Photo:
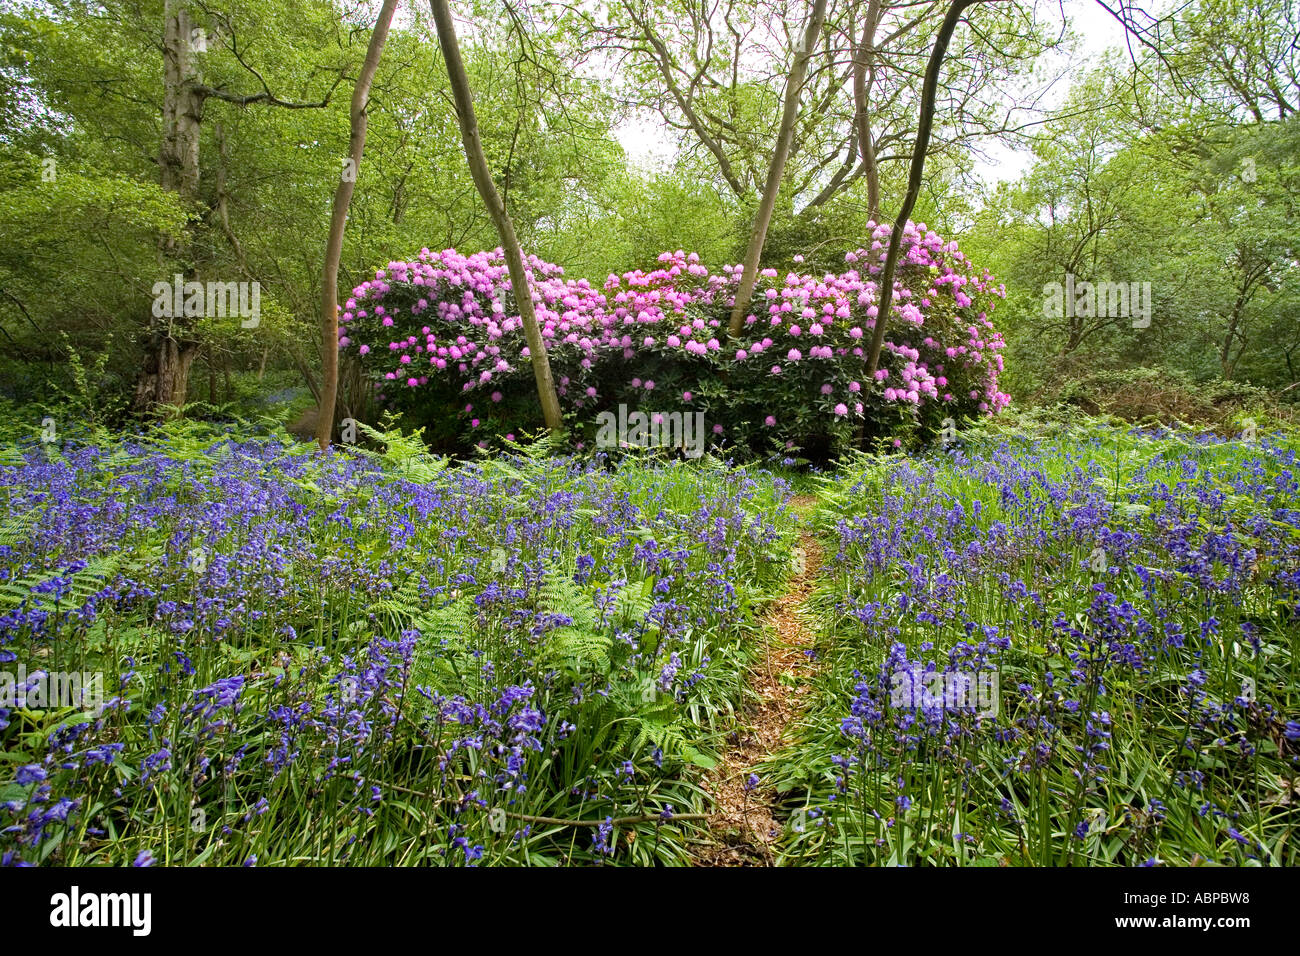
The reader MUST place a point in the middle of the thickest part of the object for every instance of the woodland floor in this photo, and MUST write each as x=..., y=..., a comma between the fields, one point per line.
x=743, y=827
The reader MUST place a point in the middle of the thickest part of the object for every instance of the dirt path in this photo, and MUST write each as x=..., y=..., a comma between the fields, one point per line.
x=742, y=825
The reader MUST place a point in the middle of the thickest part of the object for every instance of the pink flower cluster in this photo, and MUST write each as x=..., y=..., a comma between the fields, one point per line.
x=453, y=317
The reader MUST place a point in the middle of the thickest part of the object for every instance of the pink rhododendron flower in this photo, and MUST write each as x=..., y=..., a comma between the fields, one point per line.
x=453, y=308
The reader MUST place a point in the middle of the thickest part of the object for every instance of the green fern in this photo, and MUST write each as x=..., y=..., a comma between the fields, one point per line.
x=633, y=603
x=447, y=623
x=19, y=528
x=82, y=584
x=441, y=627
x=402, y=607
x=403, y=455
x=579, y=648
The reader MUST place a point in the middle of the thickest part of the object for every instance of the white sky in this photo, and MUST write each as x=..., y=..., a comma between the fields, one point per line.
x=1096, y=32
x=649, y=145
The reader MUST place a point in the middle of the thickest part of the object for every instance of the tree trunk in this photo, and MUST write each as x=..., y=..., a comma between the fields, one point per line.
x=164, y=381
x=184, y=95
x=182, y=108
x=928, y=92
x=168, y=351
x=338, y=222
x=487, y=189
x=221, y=204
x=864, y=78
x=763, y=217
x=1228, y=364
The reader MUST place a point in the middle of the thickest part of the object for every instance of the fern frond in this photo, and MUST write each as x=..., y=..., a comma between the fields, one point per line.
x=81, y=584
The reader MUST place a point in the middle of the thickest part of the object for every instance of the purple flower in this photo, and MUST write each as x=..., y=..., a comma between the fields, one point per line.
x=30, y=774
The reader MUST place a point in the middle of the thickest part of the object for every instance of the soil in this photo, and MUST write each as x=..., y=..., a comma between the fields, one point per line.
x=742, y=826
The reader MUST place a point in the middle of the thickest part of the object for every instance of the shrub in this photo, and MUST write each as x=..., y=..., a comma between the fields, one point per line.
x=1165, y=396
x=445, y=329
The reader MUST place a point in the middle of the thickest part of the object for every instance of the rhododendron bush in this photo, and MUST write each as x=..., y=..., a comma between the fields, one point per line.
x=443, y=331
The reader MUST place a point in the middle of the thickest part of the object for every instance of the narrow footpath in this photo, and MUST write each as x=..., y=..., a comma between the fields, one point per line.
x=743, y=827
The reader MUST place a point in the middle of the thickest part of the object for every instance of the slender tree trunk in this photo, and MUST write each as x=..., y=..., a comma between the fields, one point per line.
x=928, y=92
x=864, y=78
x=785, y=134
x=1228, y=364
x=221, y=203
x=329, y=313
x=308, y=378
x=1075, y=338
x=487, y=189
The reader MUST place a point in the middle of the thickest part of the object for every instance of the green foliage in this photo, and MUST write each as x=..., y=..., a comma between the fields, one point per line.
x=1198, y=204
